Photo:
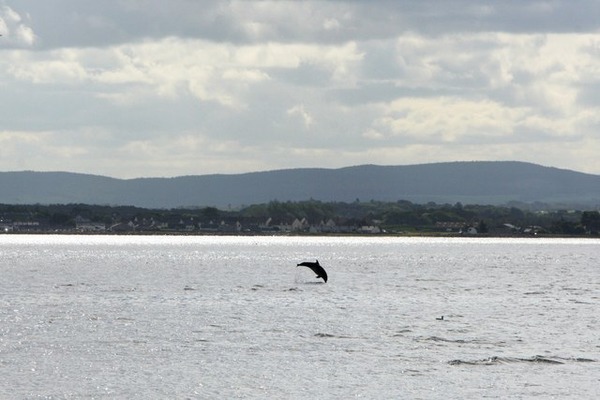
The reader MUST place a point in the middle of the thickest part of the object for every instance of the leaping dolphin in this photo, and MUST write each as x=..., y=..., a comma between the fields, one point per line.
x=316, y=267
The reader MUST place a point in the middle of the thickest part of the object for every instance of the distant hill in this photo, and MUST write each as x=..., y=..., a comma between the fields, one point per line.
x=493, y=183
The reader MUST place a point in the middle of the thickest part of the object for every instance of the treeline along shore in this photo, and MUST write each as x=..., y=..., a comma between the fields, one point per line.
x=303, y=217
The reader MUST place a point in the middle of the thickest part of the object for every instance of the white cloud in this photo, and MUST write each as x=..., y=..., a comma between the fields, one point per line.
x=499, y=83
x=331, y=24
x=14, y=28
x=299, y=110
x=24, y=150
x=171, y=67
x=10, y=15
x=447, y=119
x=60, y=67
x=25, y=35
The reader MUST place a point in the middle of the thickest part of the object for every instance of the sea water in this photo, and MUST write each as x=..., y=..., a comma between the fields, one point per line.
x=148, y=317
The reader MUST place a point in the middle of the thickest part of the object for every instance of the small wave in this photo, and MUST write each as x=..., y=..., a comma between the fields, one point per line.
x=445, y=340
x=324, y=335
x=508, y=360
x=120, y=290
x=402, y=332
x=575, y=301
x=441, y=339
x=329, y=335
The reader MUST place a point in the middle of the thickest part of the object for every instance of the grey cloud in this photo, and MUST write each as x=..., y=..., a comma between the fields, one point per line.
x=306, y=74
x=383, y=92
x=184, y=87
x=381, y=61
x=81, y=23
x=589, y=94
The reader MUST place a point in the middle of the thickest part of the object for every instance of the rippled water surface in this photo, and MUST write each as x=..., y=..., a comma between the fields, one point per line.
x=233, y=317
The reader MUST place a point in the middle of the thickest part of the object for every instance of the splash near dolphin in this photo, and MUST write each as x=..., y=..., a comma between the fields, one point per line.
x=316, y=267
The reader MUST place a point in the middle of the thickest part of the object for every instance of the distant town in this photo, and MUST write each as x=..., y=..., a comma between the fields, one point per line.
x=307, y=217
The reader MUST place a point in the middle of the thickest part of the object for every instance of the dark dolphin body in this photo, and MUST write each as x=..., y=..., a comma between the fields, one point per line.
x=316, y=267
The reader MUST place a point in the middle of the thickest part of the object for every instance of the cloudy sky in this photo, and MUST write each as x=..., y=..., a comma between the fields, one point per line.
x=137, y=88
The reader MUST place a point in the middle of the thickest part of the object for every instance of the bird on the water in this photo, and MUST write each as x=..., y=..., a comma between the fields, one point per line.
x=316, y=267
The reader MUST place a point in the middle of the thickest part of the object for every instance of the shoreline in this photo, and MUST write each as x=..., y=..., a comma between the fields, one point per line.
x=303, y=234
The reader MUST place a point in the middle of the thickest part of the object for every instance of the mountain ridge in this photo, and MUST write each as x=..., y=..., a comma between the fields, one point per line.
x=473, y=182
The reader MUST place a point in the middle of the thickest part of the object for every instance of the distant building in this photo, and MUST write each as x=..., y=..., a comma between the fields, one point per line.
x=6, y=226
x=85, y=225
x=470, y=231
x=369, y=229
x=26, y=226
x=449, y=226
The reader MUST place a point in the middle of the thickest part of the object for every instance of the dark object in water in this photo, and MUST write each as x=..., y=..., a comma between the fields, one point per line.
x=316, y=267
x=440, y=318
